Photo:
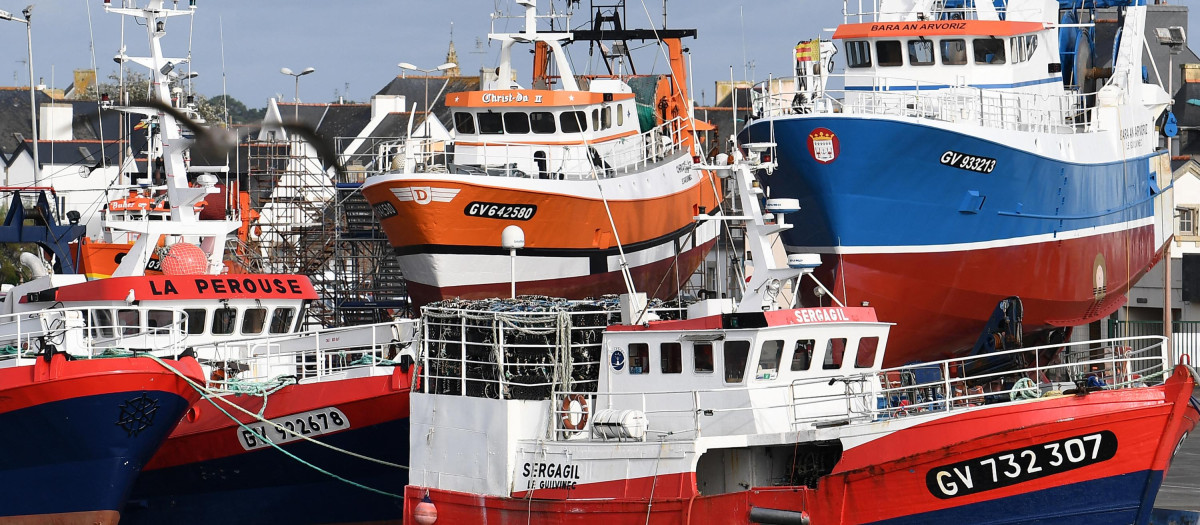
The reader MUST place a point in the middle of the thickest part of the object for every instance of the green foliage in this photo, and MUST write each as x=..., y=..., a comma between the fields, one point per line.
x=212, y=110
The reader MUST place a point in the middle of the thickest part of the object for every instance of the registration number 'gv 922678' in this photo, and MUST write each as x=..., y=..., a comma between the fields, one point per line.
x=311, y=423
x=1015, y=466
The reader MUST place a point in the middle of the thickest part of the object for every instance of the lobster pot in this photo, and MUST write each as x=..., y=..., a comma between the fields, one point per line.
x=513, y=349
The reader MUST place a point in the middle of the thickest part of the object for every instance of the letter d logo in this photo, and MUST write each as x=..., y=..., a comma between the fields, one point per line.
x=422, y=195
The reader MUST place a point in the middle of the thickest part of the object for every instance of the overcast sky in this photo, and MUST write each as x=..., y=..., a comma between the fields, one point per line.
x=355, y=44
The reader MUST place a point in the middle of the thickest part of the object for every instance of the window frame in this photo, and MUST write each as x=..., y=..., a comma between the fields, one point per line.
x=854, y=54
x=879, y=53
x=674, y=357
x=459, y=121
x=640, y=355
x=980, y=55
x=912, y=58
x=732, y=348
x=946, y=56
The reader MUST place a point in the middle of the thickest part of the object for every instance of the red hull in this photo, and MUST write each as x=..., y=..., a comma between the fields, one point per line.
x=940, y=301
x=887, y=478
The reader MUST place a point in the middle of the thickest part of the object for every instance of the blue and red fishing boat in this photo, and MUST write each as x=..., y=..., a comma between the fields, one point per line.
x=82, y=428
x=973, y=152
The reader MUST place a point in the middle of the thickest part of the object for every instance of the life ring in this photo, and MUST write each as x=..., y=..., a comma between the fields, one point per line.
x=566, y=411
x=193, y=414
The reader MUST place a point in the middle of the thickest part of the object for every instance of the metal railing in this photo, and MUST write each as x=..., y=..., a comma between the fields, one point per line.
x=312, y=355
x=509, y=159
x=89, y=332
x=886, y=96
x=1185, y=336
x=858, y=11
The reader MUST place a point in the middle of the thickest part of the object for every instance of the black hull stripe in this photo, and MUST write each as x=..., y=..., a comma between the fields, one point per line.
x=447, y=249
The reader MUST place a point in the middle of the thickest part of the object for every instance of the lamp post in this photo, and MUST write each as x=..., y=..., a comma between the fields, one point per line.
x=296, y=97
x=28, y=12
x=410, y=67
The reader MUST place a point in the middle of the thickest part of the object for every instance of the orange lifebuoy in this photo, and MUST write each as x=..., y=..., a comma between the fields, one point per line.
x=193, y=414
x=566, y=411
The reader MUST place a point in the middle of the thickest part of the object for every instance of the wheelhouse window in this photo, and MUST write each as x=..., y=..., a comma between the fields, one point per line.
x=835, y=350
x=253, y=321
x=620, y=116
x=542, y=122
x=1022, y=47
x=736, y=353
x=888, y=54
x=160, y=321
x=129, y=322
x=281, y=320
x=858, y=53
x=516, y=122
x=954, y=52
x=223, y=321
x=802, y=355
x=102, y=323
x=702, y=358
x=606, y=117
x=670, y=355
x=989, y=51
x=464, y=122
x=596, y=119
x=920, y=52
x=572, y=122
x=867, y=348
x=639, y=358
x=195, y=320
x=491, y=123
x=768, y=360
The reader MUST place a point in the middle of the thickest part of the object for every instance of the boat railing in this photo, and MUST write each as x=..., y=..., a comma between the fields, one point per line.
x=860, y=11
x=312, y=355
x=90, y=333
x=885, y=96
x=511, y=158
x=1047, y=371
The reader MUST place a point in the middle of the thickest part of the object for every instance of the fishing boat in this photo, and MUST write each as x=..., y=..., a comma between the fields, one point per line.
x=973, y=152
x=288, y=412
x=767, y=413
x=84, y=423
x=594, y=185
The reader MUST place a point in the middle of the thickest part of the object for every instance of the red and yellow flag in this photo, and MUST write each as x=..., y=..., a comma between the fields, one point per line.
x=809, y=51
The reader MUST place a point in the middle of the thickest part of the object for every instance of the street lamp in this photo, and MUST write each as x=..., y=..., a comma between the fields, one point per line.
x=443, y=67
x=296, y=98
x=28, y=12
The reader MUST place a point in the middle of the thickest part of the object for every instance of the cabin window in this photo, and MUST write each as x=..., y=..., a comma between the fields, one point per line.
x=989, y=51
x=736, y=353
x=491, y=123
x=671, y=357
x=281, y=320
x=954, y=52
x=195, y=320
x=596, y=119
x=542, y=122
x=464, y=122
x=129, y=322
x=867, y=347
x=102, y=323
x=253, y=321
x=802, y=355
x=639, y=358
x=572, y=122
x=858, y=53
x=920, y=52
x=702, y=358
x=1030, y=45
x=160, y=321
x=223, y=321
x=516, y=122
x=835, y=350
x=620, y=116
x=1022, y=48
x=887, y=52
x=768, y=360
x=606, y=117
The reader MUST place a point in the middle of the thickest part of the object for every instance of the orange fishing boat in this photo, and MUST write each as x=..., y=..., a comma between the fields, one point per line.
x=602, y=197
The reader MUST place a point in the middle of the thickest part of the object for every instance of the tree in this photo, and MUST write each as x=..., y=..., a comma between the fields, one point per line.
x=238, y=112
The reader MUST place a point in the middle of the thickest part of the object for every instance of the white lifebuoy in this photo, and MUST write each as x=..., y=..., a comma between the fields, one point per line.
x=567, y=411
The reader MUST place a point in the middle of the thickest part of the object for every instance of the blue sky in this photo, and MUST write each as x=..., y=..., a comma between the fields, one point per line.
x=355, y=44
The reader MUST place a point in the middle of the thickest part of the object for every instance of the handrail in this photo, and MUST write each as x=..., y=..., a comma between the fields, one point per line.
x=90, y=332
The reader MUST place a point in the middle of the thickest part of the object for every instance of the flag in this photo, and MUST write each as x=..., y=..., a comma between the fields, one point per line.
x=809, y=51
x=140, y=125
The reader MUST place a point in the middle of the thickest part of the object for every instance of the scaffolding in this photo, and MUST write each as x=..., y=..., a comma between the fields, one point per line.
x=314, y=223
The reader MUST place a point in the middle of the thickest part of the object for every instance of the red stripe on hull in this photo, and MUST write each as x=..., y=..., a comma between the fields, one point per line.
x=98, y=517
x=60, y=379
x=656, y=279
x=940, y=301
x=365, y=401
x=882, y=479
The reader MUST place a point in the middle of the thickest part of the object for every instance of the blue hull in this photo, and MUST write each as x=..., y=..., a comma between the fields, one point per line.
x=888, y=187
x=82, y=454
x=266, y=486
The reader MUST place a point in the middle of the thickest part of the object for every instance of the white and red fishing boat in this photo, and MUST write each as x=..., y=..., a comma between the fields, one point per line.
x=761, y=414
x=975, y=151
x=593, y=189
x=285, y=410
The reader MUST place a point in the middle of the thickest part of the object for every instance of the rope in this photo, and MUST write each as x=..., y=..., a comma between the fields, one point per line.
x=210, y=396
